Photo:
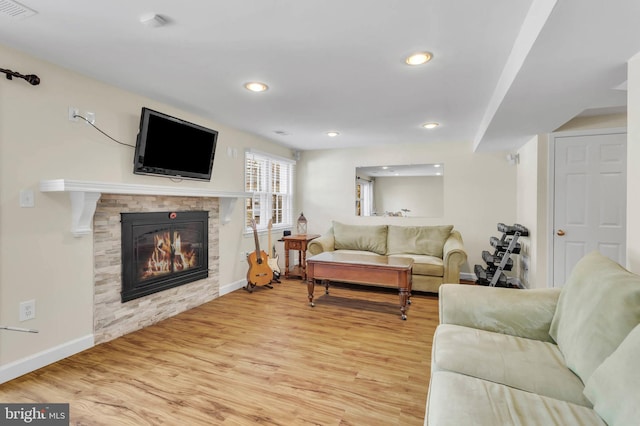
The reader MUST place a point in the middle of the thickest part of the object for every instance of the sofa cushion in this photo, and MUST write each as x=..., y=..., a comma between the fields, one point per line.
x=614, y=387
x=455, y=399
x=520, y=363
x=427, y=240
x=598, y=307
x=424, y=265
x=524, y=313
x=360, y=237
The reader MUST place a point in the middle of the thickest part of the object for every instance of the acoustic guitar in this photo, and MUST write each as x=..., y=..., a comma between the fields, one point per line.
x=259, y=272
x=273, y=258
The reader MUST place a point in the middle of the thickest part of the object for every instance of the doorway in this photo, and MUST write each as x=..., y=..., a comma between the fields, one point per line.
x=588, y=195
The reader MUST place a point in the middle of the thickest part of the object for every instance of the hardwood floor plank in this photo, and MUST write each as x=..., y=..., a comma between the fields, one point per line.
x=265, y=357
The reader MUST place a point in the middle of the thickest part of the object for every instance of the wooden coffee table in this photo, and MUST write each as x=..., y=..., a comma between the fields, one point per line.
x=361, y=269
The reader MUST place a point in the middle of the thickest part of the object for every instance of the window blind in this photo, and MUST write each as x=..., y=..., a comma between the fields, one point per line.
x=270, y=179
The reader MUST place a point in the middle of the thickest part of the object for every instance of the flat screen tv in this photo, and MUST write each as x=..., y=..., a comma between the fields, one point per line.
x=171, y=147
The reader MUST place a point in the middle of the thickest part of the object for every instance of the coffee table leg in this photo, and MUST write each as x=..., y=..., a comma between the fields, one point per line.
x=404, y=296
x=310, y=285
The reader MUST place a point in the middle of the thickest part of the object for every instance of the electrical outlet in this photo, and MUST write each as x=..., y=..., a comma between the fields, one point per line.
x=73, y=111
x=27, y=310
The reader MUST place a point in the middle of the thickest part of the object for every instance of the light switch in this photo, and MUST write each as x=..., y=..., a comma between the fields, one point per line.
x=27, y=198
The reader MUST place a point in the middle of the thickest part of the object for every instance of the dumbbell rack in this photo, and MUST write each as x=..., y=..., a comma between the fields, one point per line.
x=500, y=260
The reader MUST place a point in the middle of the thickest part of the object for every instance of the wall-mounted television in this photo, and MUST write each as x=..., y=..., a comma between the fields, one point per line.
x=171, y=147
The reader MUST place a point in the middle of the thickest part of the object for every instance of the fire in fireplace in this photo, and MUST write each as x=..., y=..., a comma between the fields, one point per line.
x=162, y=250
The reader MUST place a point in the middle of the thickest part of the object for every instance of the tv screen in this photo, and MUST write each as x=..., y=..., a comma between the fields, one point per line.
x=169, y=146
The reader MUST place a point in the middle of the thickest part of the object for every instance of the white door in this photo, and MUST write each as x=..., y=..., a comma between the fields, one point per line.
x=589, y=199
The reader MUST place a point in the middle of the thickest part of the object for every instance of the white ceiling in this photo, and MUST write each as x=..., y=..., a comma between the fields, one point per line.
x=503, y=70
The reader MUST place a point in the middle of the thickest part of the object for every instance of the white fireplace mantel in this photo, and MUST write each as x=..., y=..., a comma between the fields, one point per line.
x=85, y=195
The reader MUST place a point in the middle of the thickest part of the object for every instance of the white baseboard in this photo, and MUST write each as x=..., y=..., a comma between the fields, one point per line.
x=228, y=288
x=33, y=362
x=468, y=276
x=519, y=283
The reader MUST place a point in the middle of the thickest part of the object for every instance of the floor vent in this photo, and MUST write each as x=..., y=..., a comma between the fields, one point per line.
x=15, y=10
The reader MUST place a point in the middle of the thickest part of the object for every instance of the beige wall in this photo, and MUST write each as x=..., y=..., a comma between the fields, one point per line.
x=40, y=259
x=394, y=193
x=543, y=229
x=479, y=189
x=633, y=171
x=527, y=210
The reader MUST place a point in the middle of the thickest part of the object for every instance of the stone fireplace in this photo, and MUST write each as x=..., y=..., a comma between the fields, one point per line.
x=114, y=316
x=96, y=209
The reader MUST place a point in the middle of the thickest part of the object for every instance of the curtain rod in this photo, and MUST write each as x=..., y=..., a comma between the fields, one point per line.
x=32, y=79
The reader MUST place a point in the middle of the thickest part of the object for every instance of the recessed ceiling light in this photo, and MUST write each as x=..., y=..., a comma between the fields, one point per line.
x=332, y=134
x=432, y=125
x=419, y=58
x=256, y=86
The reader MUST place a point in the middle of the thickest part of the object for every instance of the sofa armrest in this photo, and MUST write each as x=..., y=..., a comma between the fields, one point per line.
x=523, y=313
x=453, y=257
x=323, y=243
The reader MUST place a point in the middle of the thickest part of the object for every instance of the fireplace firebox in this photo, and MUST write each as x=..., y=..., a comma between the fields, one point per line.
x=162, y=250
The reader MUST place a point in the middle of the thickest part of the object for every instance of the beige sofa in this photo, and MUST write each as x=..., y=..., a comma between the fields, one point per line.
x=539, y=357
x=437, y=251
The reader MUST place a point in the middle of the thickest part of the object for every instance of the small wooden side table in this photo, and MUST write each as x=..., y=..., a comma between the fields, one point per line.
x=297, y=242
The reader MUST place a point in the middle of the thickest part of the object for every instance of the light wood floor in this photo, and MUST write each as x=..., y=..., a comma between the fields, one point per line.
x=262, y=358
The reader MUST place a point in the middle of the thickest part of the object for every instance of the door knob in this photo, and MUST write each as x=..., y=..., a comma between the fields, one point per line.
x=560, y=232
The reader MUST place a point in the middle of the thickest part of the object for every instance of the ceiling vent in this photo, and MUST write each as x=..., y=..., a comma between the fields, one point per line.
x=15, y=10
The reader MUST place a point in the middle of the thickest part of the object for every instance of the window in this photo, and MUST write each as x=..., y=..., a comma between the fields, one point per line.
x=270, y=178
x=364, y=197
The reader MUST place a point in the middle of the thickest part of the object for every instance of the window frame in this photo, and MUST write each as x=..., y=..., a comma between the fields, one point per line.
x=364, y=197
x=270, y=179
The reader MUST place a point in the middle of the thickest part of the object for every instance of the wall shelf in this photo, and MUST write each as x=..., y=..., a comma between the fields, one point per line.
x=85, y=195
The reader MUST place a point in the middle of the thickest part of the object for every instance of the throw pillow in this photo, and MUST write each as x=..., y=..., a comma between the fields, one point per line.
x=614, y=388
x=598, y=306
x=428, y=240
x=360, y=237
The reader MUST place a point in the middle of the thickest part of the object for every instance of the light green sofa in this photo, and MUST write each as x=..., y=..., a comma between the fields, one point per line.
x=437, y=251
x=539, y=357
